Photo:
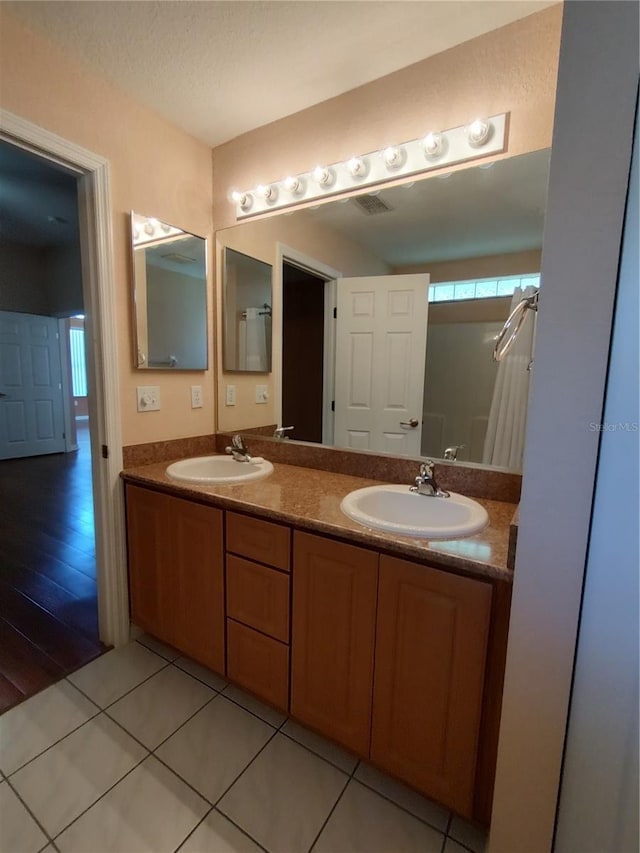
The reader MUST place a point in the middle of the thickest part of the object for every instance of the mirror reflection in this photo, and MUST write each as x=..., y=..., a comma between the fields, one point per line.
x=246, y=307
x=169, y=296
x=470, y=243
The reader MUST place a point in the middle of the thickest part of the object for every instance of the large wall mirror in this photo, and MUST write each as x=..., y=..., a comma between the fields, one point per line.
x=169, y=296
x=437, y=264
x=246, y=313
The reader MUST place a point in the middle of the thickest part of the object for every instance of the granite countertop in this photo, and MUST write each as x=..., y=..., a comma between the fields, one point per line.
x=310, y=499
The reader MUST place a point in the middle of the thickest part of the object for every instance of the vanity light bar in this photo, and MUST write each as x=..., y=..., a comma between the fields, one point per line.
x=147, y=229
x=480, y=138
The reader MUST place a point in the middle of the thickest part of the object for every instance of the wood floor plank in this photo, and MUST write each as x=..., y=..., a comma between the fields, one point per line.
x=9, y=694
x=23, y=664
x=68, y=648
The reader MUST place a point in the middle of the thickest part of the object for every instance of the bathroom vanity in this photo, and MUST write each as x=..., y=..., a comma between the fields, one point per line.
x=392, y=647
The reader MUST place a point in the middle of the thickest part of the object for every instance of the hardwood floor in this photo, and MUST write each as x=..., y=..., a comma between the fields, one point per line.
x=48, y=594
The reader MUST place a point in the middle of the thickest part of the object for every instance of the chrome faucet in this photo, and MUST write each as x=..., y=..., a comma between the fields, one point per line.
x=451, y=453
x=279, y=432
x=238, y=449
x=425, y=483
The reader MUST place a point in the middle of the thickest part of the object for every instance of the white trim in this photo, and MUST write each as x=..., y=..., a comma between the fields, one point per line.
x=102, y=346
x=329, y=362
x=315, y=267
x=67, y=405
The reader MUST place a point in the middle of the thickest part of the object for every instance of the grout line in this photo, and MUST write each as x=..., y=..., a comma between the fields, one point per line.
x=317, y=754
x=189, y=834
x=331, y=811
x=46, y=834
x=197, y=678
x=404, y=808
x=144, y=680
x=175, y=731
x=102, y=795
x=243, y=771
x=243, y=831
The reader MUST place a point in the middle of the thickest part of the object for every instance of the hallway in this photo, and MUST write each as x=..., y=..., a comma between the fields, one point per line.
x=48, y=593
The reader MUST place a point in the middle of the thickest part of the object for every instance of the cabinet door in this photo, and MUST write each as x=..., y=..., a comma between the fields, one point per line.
x=431, y=644
x=147, y=545
x=195, y=579
x=334, y=612
x=258, y=663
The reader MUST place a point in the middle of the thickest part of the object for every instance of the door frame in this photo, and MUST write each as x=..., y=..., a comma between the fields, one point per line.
x=99, y=295
x=286, y=254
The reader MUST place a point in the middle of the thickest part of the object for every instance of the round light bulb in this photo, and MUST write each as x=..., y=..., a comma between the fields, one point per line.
x=357, y=167
x=433, y=145
x=266, y=192
x=478, y=132
x=323, y=176
x=149, y=229
x=393, y=157
x=243, y=200
x=295, y=186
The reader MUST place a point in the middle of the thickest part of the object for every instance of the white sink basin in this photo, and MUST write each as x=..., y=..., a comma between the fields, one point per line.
x=398, y=510
x=223, y=470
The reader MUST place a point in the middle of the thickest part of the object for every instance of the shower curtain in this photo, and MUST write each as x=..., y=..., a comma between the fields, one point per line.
x=252, y=340
x=504, y=442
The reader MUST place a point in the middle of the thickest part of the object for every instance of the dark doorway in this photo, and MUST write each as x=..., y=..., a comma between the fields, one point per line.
x=302, y=352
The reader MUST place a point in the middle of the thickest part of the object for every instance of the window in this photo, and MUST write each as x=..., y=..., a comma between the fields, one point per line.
x=78, y=368
x=450, y=291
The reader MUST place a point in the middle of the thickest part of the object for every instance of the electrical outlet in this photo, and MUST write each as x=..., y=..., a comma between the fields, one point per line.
x=196, y=396
x=231, y=395
x=262, y=393
x=148, y=398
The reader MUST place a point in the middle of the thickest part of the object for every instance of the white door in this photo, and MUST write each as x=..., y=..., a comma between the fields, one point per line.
x=31, y=412
x=381, y=338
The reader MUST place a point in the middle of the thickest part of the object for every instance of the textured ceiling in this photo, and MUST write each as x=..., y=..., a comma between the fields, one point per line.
x=219, y=69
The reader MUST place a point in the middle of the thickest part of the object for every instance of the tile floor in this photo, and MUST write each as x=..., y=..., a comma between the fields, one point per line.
x=143, y=750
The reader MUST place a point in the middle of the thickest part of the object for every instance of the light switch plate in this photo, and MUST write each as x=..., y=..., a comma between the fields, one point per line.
x=148, y=398
x=230, y=398
x=196, y=396
x=262, y=393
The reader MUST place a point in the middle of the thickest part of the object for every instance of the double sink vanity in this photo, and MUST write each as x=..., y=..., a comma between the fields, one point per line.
x=373, y=632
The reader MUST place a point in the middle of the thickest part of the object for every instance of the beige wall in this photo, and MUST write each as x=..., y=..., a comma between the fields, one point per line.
x=156, y=169
x=515, y=263
x=512, y=69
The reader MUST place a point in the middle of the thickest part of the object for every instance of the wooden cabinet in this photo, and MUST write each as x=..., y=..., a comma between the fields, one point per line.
x=431, y=642
x=258, y=607
x=176, y=573
x=334, y=618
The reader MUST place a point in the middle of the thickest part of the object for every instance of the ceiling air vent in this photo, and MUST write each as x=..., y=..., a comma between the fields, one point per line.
x=371, y=205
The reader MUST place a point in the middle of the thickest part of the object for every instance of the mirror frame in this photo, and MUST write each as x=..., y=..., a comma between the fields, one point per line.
x=265, y=308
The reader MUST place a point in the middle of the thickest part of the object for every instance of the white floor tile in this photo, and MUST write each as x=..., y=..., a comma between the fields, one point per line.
x=160, y=705
x=62, y=782
x=365, y=822
x=213, y=748
x=284, y=796
x=216, y=834
x=405, y=797
x=451, y=846
x=19, y=833
x=112, y=675
x=468, y=835
x=215, y=681
x=149, y=810
x=162, y=649
x=34, y=725
x=266, y=712
x=321, y=746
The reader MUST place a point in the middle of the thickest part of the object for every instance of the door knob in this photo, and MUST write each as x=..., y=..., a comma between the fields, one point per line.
x=412, y=422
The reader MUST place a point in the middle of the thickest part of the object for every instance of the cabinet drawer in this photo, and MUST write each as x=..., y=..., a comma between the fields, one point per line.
x=259, y=540
x=258, y=663
x=258, y=597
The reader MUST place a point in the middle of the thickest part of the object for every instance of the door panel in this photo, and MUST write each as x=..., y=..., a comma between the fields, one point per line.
x=31, y=409
x=380, y=356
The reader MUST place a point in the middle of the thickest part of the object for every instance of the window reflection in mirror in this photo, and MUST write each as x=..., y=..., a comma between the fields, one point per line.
x=169, y=295
x=246, y=313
